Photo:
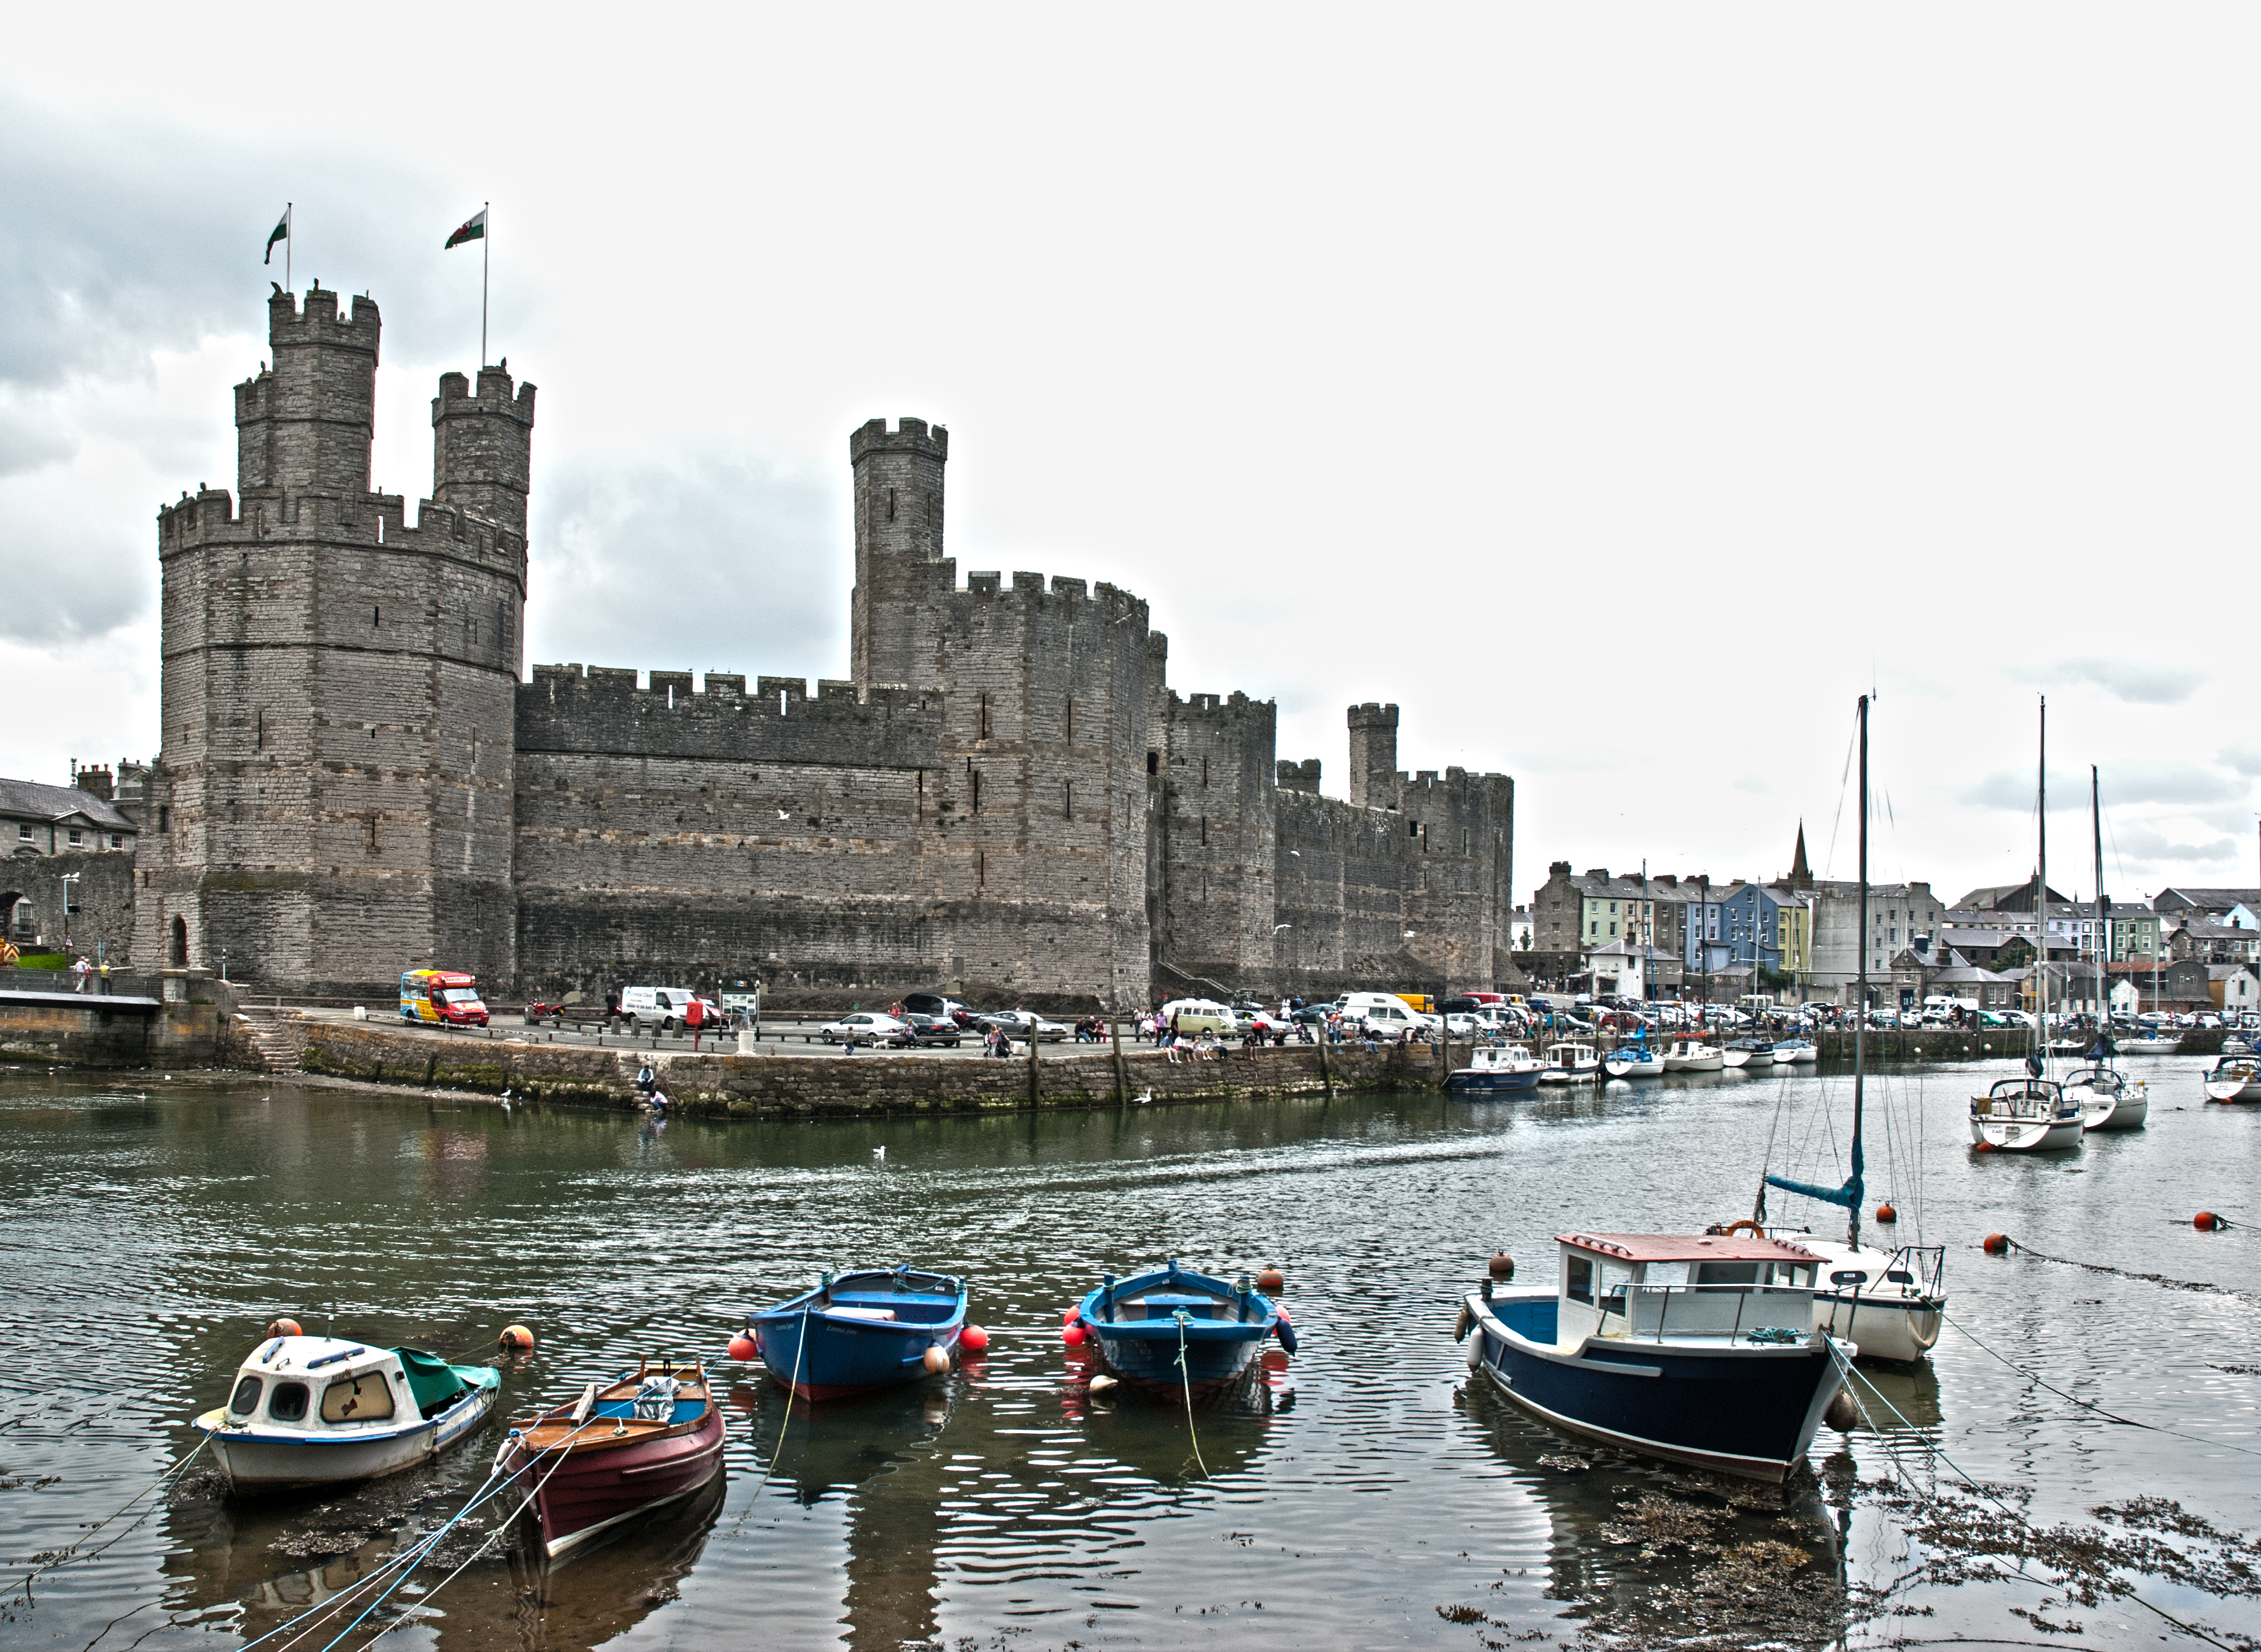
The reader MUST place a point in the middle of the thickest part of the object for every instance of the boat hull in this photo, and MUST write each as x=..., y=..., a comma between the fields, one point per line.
x=1619, y=1067
x=2125, y=1112
x=844, y=1357
x=1750, y=1412
x=2027, y=1135
x=257, y=1460
x=1884, y=1328
x=1712, y=1063
x=1491, y=1083
x=597, y=1487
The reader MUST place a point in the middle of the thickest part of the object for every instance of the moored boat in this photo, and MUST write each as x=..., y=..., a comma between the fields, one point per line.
x=1693, y=1055
x=862, y=1330
x=648, y=1438
x=1698, y=1349
x=1889, y=1303
x=1796, y=1051
x=1634, y=1061
x=2107, y=1098
x=1569, y=1062
x=1176, y=1335
x=2234, y=1078
x=322, y=1411
x=2026, y=1115
x=1496, y=1068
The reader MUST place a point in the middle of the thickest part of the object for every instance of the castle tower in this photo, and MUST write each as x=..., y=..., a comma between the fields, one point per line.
x=304, y=425
x=482, y=446
x=901, y=574
x=332, y=802
x=1373, y=756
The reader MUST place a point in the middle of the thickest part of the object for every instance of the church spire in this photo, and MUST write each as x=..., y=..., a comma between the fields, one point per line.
x=1800, y=876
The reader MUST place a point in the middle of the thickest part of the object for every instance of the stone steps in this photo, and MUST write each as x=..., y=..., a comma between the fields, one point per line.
x=279, y=1035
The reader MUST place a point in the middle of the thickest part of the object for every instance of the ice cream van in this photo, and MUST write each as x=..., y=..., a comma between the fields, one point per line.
x=441, y=997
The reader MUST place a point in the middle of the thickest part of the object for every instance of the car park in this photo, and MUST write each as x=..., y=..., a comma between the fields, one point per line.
x=865, y=1027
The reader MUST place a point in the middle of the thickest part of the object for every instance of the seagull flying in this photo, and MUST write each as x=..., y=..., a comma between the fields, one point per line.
x=1276, y=928
x=879, y=1152
x=781, y=815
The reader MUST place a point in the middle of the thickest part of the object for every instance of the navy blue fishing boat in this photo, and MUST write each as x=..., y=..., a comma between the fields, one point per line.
x=861, y=1331
x=1697, y=1348
x=1176, y=1335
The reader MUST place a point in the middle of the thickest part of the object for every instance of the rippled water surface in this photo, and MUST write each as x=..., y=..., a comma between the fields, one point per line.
x=1361, y=1497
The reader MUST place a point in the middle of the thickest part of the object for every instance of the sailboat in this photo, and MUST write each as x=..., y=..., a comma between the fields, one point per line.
x=2108, y=1098
x=1891, y=1304
x=2031, y=1113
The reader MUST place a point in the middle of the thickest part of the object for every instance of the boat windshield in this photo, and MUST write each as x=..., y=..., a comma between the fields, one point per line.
x=289, y=1404
x=365, y=1399
x=246, y=1398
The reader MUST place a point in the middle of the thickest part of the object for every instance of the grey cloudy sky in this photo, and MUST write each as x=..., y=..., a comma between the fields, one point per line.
x=1620, y=391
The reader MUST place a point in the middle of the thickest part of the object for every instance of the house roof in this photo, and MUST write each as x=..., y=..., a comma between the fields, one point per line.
x=28, y=800
x=2208, y=930
x=2206, y=899
x=1678, y=1248
x=1628, y=948
x=1967, y=974
x=1977, y=937
x=2223, y=972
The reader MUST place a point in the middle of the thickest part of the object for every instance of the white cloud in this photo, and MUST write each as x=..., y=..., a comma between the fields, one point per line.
x=2137, y=682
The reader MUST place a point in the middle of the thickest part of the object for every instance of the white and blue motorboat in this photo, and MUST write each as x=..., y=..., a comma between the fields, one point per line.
x=321, y=1410
x=1569, y=1062
x=1494, y=1069
x=1696, y=1348
x=1796, y=1051
x=1634, y=1061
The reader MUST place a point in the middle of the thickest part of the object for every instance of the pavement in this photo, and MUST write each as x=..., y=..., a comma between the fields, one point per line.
x=779, y=1036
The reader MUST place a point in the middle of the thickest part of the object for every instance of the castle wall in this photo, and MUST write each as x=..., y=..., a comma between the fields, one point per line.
x=1215, y=825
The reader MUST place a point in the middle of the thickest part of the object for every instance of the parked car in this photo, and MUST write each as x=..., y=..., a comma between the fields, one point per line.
x=865, y=1027
x=1019, y=1023
x=936, y=1005
x=933, y=1030
x=662, y=1007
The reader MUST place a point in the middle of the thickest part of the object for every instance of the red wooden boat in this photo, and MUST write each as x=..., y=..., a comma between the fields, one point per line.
x=646, y=1440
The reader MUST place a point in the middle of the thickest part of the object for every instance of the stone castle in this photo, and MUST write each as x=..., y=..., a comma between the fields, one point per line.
x=1004, y=798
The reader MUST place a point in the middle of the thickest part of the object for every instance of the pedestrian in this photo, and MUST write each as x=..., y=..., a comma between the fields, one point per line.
x=82, y=969
x=105, y=972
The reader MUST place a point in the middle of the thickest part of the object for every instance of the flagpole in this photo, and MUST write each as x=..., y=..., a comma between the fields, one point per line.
x=289, y=230
x=487, y=255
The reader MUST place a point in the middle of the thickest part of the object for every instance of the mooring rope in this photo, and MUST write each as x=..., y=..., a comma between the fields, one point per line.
x=1185, y=1378
x=2112, y=1417
x=2014, y=1515
x=769, y=1473
x=2171, y=1283
x=71, y=1552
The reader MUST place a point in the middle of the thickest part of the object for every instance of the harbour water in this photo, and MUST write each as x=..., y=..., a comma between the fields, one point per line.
x=1366, y=1496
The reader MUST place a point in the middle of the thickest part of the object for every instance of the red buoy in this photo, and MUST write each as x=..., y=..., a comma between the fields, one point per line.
x=1502, y=1266
x=516, y=1336
x=2207, y=1221
x=974, y=1340
x=1982, y=1146
x=743, y=1349
x=1271, y=1281
x=1886, y=1214
x=284, y=1328
x=1997, y=1244
x=1074, y=1312
x=1073, y=1335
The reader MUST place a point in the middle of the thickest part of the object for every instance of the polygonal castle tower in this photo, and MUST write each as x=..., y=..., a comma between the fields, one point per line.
x=332, y=802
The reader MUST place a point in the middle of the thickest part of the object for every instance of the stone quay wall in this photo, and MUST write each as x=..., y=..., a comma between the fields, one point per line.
x=769, y=1086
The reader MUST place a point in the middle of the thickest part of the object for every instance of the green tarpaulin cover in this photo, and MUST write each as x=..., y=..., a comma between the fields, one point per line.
x=434, y=1382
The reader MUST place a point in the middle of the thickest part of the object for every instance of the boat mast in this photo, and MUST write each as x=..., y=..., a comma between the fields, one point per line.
x=2041, y=813
x=1861, y=1016
x=2103, y=906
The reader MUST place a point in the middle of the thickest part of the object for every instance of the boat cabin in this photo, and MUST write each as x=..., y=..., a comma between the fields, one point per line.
x=2024, y=1098
x=1570, y=1054
x=1502, y=1058
x=1693, y=1287
x=303, y=1386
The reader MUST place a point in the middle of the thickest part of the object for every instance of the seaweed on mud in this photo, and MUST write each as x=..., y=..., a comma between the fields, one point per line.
x=318, y=1545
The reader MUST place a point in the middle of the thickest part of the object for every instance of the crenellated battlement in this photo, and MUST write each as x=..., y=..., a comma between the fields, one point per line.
x=677, y=690
x=1234, y=706
x=325, y=319
x=493, y=397
x=271, y=516
x=910, y=436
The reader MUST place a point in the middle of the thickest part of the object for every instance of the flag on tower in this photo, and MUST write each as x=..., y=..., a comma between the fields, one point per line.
x=473, y=229
x=281, y=232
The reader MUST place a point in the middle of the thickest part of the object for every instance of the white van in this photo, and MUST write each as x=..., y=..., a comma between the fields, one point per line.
x=660, y=1007
x=1383, y=1013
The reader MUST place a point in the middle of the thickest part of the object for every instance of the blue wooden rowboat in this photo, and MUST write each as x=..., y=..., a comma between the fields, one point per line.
x=1175, y=1335
x=1695, y=1348
x=861, y=1331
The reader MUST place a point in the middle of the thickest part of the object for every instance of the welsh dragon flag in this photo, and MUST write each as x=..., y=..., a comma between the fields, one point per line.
x=472, y=228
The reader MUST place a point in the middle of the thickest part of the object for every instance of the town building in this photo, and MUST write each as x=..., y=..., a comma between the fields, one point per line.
x=1898, y=914
x=1004, y=797
x=2212, y=941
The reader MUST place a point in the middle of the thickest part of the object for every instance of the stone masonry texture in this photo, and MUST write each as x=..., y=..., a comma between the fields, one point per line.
x=1004, y=800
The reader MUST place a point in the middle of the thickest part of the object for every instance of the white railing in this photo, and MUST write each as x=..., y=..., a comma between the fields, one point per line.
x=1659, y=1312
